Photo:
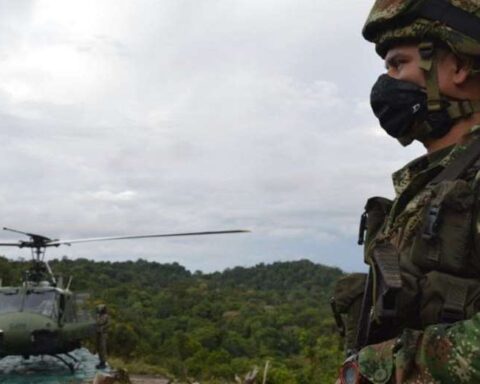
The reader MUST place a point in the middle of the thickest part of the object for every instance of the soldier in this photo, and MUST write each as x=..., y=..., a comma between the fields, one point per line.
x=419, y=320
x=101, y=335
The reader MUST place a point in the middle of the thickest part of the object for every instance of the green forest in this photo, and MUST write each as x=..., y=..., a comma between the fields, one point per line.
x=210, y=327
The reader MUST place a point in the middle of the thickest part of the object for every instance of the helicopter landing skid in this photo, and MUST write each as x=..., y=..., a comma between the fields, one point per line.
x=72, y=365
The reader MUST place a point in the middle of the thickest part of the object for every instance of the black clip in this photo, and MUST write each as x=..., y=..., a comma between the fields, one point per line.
x=432, y=222
x=362, y=228
x=426, y=50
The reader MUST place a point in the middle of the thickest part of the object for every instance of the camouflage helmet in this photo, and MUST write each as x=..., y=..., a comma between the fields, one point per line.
x=453, y=22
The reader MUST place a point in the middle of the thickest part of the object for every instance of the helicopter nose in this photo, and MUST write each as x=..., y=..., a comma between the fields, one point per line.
x=18, y=328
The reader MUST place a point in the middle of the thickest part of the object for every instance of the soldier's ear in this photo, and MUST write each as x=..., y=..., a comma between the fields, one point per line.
x=462, y=70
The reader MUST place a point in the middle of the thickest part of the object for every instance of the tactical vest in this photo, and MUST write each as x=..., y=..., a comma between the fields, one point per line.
x=421, y=247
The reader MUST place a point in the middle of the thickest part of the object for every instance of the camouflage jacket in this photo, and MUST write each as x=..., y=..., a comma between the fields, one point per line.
x=411, y=195
x=102, y=322
x=442, y=263
x=441, y=353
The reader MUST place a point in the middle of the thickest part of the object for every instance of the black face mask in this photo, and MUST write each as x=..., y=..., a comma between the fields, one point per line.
x=400, y=106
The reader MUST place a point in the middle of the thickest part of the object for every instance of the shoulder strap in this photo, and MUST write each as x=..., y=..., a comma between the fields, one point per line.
x=459, y=165
x=453, y=171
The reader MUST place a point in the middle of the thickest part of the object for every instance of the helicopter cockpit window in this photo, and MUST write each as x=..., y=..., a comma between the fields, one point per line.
x=43, y=303
x=10, y=302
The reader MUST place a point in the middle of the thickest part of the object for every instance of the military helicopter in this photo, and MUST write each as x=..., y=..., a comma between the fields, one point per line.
x=42, y=317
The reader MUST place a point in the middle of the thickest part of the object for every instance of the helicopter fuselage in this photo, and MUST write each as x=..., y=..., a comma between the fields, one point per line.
x=38, y=320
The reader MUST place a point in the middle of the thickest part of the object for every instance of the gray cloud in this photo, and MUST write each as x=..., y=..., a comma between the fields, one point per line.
x=122, y=117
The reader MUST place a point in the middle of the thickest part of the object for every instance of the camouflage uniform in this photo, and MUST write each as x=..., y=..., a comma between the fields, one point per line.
x=442, y=353
x=102, y=322
x=440, y=275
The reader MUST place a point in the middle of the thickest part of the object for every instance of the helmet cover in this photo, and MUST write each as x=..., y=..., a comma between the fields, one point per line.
x=456, y=23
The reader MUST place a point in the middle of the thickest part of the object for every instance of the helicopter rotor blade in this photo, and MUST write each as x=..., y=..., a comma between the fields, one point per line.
x=68, y=242
x=32, y=235
x=11, y=245
x=16, y=231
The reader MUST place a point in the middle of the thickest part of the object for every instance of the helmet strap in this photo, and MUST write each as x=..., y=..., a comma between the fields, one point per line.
x=428, y=63
x=463, y=108
x=435, y=103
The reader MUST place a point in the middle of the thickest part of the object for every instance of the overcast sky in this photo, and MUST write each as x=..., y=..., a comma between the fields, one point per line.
x=156, y=116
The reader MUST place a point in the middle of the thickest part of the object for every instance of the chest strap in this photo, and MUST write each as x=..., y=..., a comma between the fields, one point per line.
x=452, y=171
x=458, y=166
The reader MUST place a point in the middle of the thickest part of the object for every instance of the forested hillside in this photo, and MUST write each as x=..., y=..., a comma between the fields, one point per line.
x=212, y=326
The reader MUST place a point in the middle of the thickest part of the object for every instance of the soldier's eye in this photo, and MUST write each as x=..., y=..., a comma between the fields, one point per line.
x=395, y=62
x=391, y=64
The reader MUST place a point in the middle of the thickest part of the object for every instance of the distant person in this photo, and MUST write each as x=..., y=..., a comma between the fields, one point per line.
x=102, y=321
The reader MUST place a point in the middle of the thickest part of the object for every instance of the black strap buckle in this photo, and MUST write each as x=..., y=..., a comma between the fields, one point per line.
x=426, y=50
x=455, y=301
x=432, y=223
x=362, y=228
x=389, y=281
